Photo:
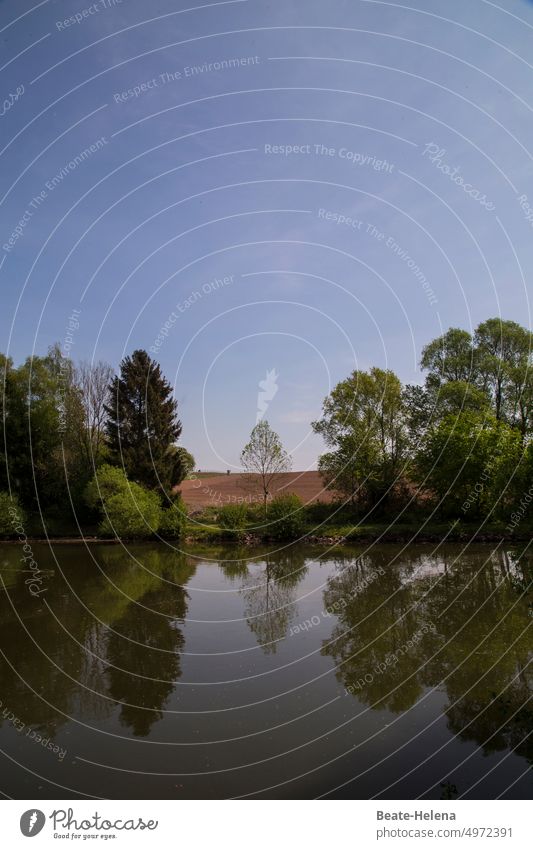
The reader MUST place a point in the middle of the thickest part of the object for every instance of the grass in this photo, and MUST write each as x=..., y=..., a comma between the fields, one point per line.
x=386, y=531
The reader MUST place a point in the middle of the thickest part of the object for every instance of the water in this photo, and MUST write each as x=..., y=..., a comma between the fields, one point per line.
x=394, y=672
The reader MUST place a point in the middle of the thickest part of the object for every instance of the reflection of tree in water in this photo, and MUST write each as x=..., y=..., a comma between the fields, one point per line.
x=375, y=622
x=486, y=652
x=83, y=645
x=497, y=722
x=479, y=647
x=233, y=561
x=147, y=647
x=270, y=597
x=144, y=648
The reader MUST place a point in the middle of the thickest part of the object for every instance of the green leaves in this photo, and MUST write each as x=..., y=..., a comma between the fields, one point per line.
x=365, y=423
x=142, y=424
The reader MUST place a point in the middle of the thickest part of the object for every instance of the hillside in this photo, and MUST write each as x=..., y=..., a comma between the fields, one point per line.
x=229, y=489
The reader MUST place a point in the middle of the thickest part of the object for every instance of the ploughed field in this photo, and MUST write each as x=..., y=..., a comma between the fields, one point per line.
x=207, y=490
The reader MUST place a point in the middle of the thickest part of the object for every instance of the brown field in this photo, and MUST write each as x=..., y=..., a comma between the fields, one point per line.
x=230, y=489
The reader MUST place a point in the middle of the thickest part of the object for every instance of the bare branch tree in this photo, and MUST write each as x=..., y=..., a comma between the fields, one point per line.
x=265, y=457
x=92, y=381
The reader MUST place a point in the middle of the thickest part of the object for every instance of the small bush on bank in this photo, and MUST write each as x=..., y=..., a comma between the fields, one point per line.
x=233, y=518
x=129, y=510
x=285, y=517
x=11, y=515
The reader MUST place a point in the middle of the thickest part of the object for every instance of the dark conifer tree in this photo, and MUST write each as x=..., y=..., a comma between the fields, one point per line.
x=142, y=424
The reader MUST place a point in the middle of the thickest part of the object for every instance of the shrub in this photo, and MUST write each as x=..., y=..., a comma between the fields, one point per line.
x=129, y=510
x=11, y=515
x=285, y=517
x=108, y=481
x=173, y=519
x=233, y=518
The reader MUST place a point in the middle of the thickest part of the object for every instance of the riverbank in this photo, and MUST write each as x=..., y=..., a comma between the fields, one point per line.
x=330, y=535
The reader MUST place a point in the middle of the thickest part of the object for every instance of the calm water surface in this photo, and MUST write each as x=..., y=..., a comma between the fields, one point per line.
x=148, y=673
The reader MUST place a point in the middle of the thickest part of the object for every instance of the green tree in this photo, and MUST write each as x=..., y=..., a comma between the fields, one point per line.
x=142, y=424
x=450, y=357
x=461, y=460
x=364, y=422
x=504, y=354
x=186, y=461
x=425, y=406
x=265, y=458
x=37, y=406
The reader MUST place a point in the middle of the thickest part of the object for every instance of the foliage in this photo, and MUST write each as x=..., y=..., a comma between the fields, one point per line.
x=504, y=353
x=285, y=517
x=129, y=510
x=11, y=515
x=142, y=424
x=265, y=457
x=173, y=519
x=186, y=460
x=450, y=357
x=233, y=519
x=464, y=459
x=365, y=423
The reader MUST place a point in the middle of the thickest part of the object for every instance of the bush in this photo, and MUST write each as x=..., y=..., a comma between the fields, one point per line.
x=129, y=510
x=173, y=519
x=11, y=515
x=233, y=518
x=108, y=481
x=285, y=517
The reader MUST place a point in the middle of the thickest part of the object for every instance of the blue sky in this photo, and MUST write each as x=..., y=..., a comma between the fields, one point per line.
x=283, y=177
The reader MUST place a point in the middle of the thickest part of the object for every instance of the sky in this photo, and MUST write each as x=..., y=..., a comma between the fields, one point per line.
x=264, y=194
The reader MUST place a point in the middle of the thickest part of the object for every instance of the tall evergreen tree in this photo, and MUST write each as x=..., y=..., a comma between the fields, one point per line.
x=142, y=424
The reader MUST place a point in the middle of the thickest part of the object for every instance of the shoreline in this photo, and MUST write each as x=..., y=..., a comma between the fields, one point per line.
x=377, y=534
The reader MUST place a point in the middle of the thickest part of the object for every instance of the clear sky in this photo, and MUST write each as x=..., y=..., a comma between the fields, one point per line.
x=300, y=187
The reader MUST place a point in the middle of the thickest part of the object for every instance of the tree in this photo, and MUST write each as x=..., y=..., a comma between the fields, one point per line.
x=427, y=405
x=265, y=457
x=462, y=458
x=449, y=357
x=186, y=460
x=36, y=407
x=364, y=422
x=92, y=382
x=142, y=424
x=504, y=352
